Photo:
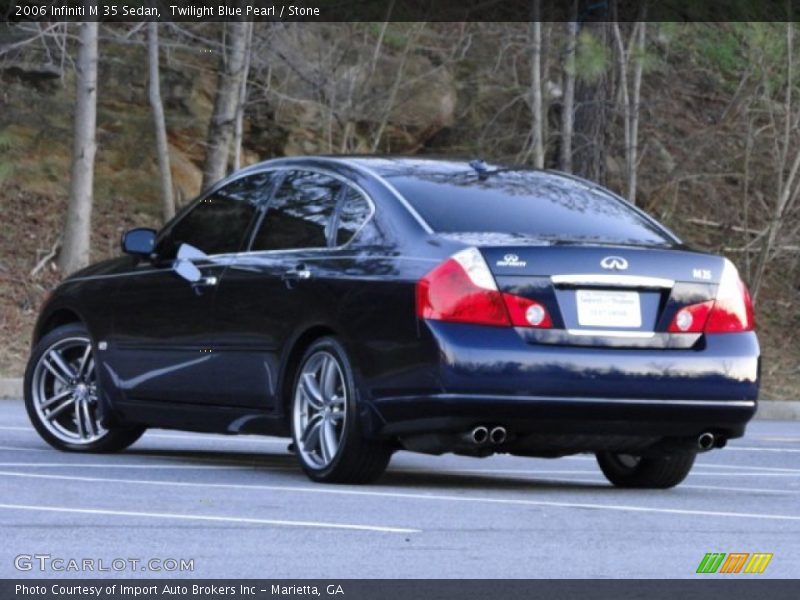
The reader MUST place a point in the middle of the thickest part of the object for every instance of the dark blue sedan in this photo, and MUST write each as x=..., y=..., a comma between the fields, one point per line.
x=365, y=305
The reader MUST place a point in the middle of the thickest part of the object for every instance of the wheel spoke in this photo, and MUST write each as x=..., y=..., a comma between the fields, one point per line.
x=86, y=355
x=329, y=378
x=336, y=416
x=89, y=376
x=52, y=366
x=66, y=370
x=312, y=391
x=79, y=419
x=336, y=401
x=60, y=396
x=57, y=411
x=89, y=422
x=311, y=435
x=328, y=443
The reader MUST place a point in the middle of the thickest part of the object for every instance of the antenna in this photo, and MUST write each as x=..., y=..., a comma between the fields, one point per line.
x=480, y=167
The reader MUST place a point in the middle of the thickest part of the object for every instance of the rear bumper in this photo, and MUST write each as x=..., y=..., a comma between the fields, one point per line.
x=408, y=415
x=477, y=375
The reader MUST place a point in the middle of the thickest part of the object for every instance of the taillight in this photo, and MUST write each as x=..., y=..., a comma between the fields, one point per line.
x=691, y=319
x=525, y=312
x=463, y=290
x=733, y=308
x=730, y=312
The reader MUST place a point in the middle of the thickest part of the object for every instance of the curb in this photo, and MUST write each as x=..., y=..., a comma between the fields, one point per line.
x=11, y=389
x=778, y=410
x=768, y=410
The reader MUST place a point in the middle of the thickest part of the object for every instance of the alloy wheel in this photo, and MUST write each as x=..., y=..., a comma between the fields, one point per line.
x=320, y=409
x=64, y=392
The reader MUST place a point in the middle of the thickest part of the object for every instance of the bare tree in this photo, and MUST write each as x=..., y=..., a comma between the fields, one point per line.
x=788, y=183
x=630, y=92
x=568, y=102
x=638, y=65
x=162, y=146
x=592, y=93
x=537, y=128
x=226, y=100
x=76, y=243
x=239, y=126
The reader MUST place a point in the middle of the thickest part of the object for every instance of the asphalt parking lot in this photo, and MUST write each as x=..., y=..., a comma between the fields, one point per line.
x=240, y=507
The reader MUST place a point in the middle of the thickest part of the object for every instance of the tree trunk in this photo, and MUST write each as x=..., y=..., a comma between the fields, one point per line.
x=622, y=62
x=223, y=117
x=537, y=129
x=238, y=129
x=568, y=105
x=638, y=65
x=77, y=230
x=162, y=146
x=591, y=119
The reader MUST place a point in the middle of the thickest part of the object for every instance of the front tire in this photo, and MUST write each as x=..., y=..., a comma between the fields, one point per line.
x=659, y=472
x=61, y=395
x=325, y=426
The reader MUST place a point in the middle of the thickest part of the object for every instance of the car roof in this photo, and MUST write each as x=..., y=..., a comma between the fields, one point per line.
x=386, y=166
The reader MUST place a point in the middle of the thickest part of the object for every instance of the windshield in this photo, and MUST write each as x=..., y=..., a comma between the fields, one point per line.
x=527, y=203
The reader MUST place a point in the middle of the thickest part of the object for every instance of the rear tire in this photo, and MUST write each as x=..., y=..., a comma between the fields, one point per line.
x=661, y=472
x=325, y=426
x=62, y=391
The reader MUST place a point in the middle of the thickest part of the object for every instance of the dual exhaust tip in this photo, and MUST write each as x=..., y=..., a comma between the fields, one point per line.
x=706, y=441
x=483, y=435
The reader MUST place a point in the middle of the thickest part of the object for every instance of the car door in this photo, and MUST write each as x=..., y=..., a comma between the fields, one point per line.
x=164, y=329
x=270, y=292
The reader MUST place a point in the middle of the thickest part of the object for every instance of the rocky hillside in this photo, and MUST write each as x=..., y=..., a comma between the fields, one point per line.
x=329, y=88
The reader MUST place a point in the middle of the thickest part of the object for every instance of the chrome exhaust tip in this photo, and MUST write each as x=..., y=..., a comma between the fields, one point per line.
x=498, y=435
x=705, y=441
x=479, y=435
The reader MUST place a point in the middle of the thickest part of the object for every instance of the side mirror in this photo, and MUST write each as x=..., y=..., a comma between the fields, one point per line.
x=139, y=241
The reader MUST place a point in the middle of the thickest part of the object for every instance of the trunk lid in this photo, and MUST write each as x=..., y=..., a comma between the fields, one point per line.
x=603, y=295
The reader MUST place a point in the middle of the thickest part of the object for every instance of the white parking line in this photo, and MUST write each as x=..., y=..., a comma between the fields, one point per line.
x=263, y=467
x=282, y=523
x=761, y=449
x=412, y=496
x=23, y=449
x=188, y=436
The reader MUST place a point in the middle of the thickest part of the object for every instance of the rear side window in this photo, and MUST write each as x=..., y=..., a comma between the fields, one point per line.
x=353, y=214
x=217, y=223
x=526, y=203
x=300, y=214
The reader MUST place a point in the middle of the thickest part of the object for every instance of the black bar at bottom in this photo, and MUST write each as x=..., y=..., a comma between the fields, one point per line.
x=718, y=588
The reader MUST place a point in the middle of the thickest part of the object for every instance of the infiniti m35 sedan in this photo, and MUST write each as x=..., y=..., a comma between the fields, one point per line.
x=368, y=304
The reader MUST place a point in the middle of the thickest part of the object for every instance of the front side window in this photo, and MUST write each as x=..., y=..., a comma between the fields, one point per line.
x=217, y=224
x=300, y=214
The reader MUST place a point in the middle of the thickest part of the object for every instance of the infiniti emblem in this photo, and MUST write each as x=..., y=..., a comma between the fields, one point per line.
x=615, y=263
x=511, y=260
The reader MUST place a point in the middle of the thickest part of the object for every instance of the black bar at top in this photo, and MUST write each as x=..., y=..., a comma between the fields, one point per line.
x=398, y=10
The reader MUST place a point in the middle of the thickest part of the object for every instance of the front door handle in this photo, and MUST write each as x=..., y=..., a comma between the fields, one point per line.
x=298, y=272
x=205, y=281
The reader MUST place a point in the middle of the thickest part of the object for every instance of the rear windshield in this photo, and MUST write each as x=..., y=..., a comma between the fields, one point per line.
x=526, y=203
